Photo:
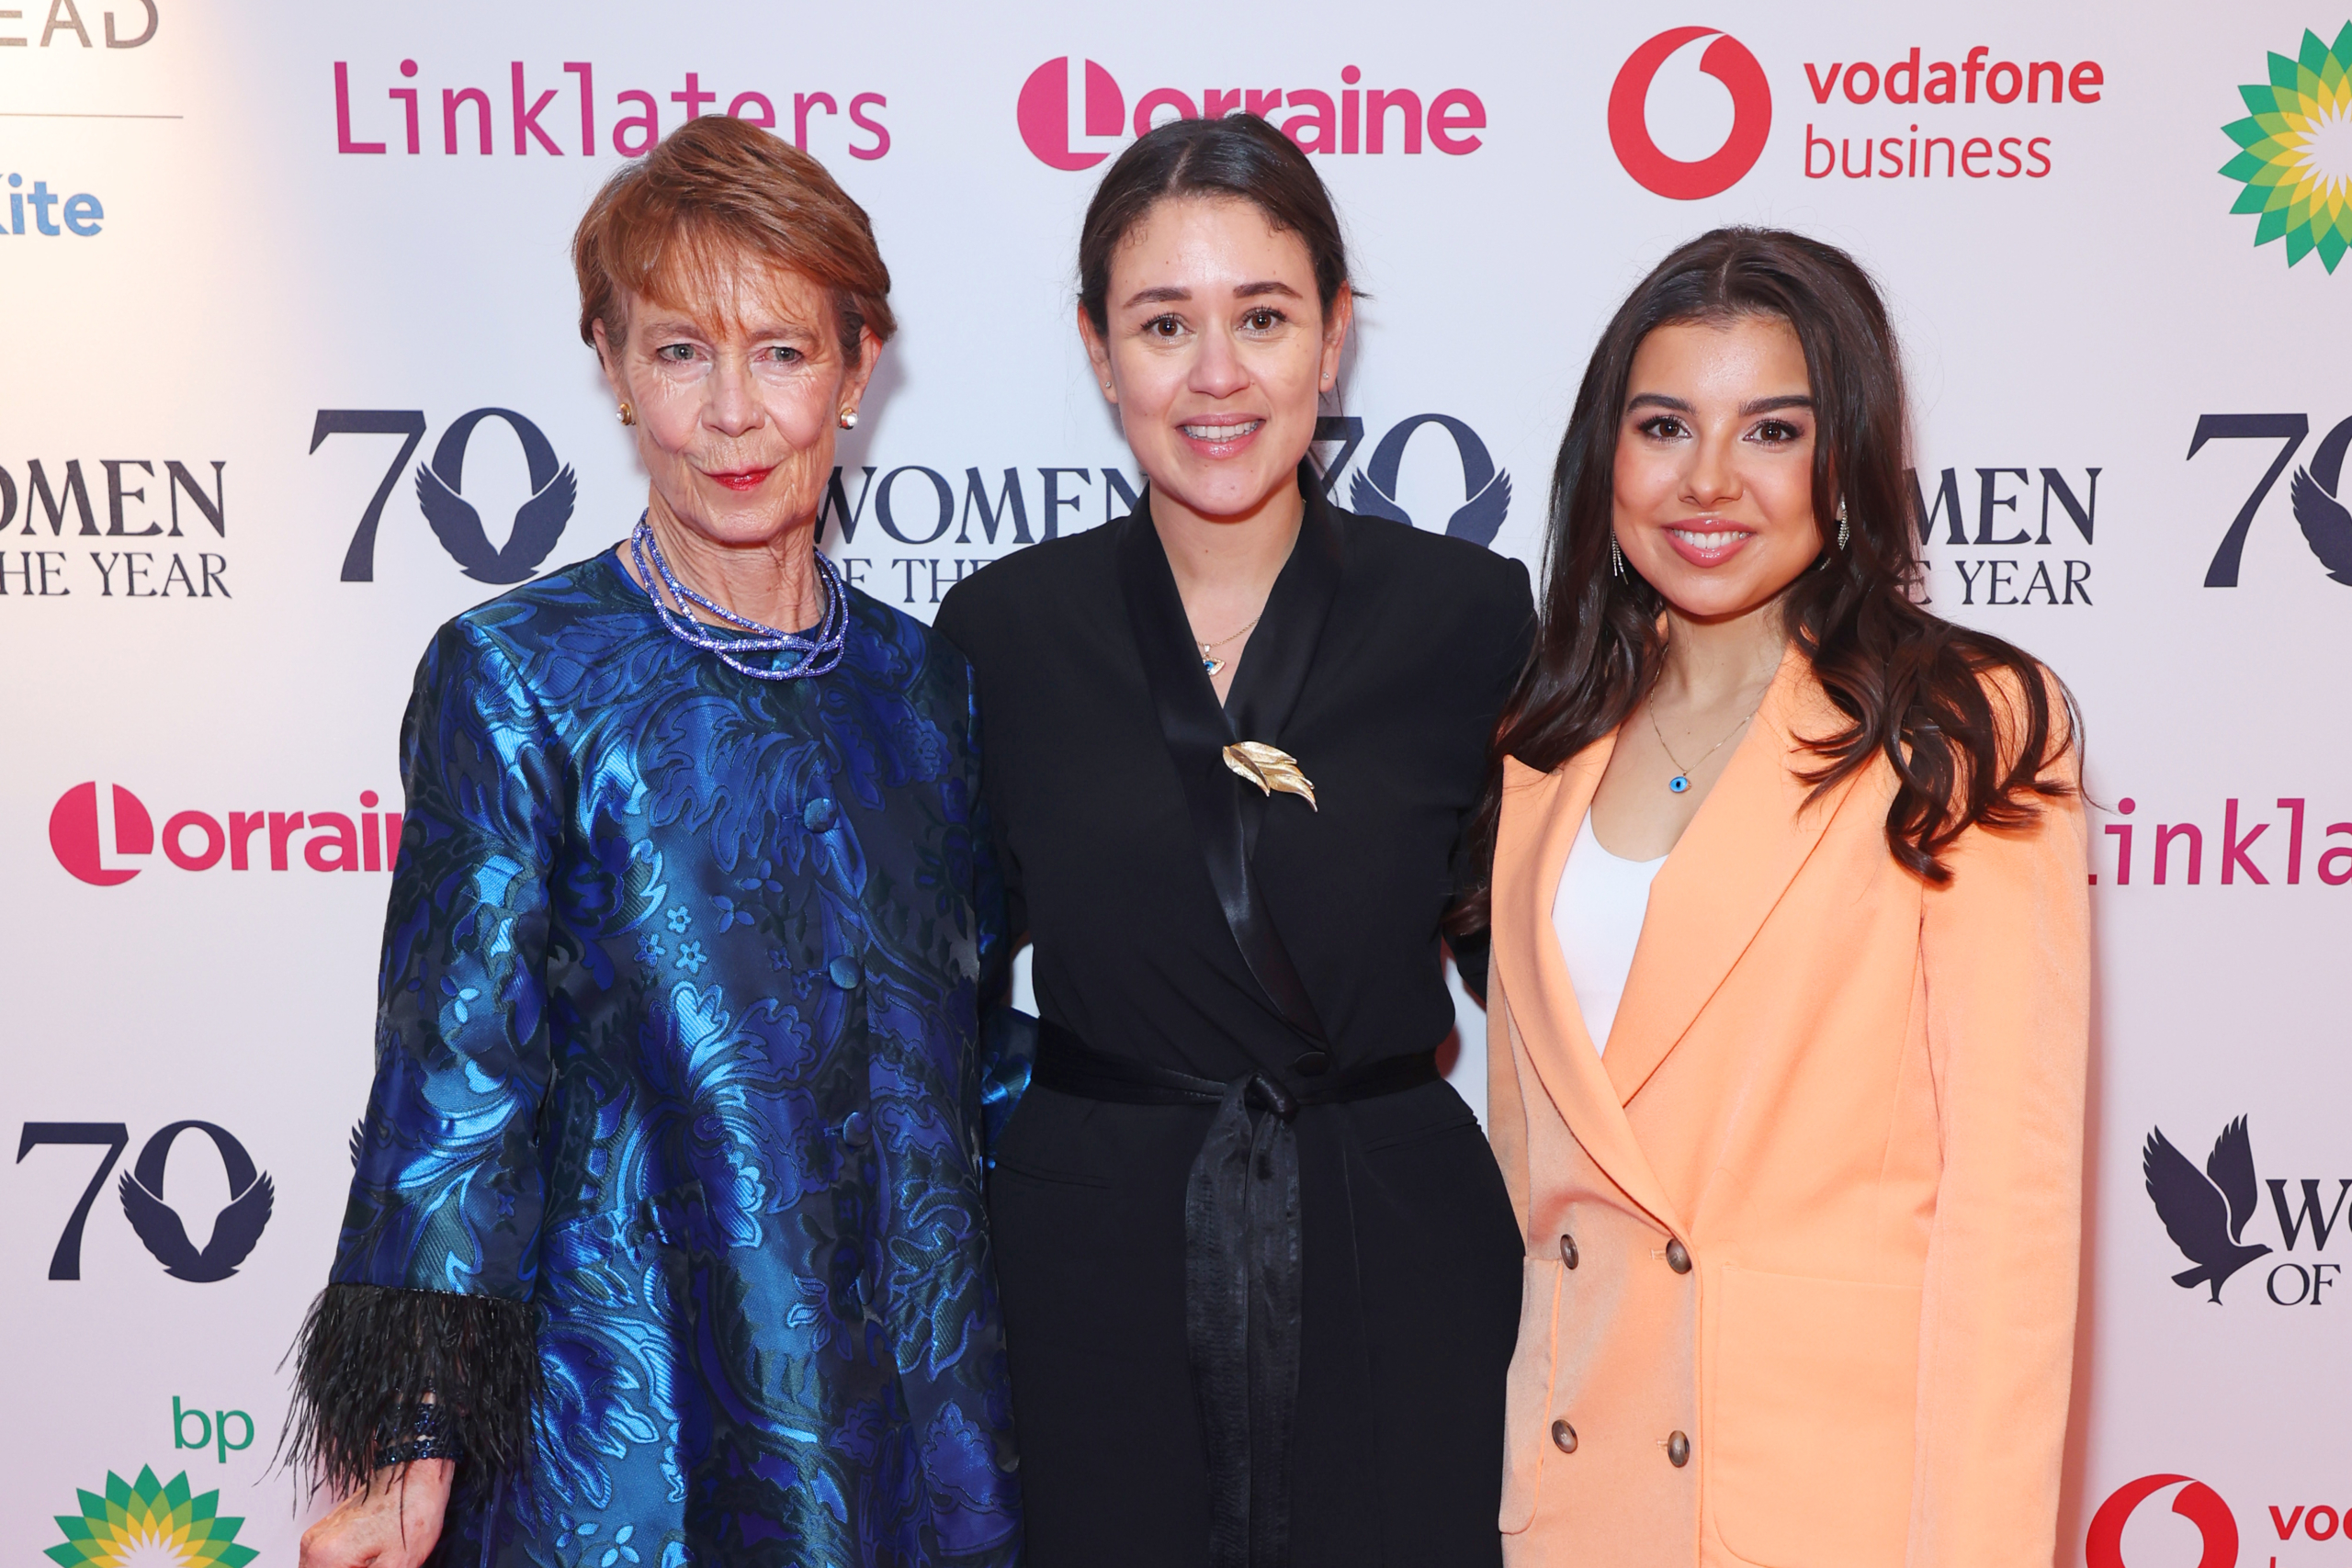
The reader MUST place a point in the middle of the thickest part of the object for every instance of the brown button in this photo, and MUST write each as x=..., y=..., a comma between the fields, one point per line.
x=1678, y=1258
x=1563, y=1438
x=1678, y=1450
x=1568, y=1251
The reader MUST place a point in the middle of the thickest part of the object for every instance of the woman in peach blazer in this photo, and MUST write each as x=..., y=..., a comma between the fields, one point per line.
x=1803, y=1217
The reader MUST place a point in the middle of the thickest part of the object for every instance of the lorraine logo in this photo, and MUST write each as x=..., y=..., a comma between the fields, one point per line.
x=197, y=840
x=1043, y=113
x=2296, y=150
x=1350, y=116
x=2196, y=1503
x=1728, y=61
x=150, y=1521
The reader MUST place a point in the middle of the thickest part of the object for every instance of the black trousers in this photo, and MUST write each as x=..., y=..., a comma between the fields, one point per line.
x=1411, y=1288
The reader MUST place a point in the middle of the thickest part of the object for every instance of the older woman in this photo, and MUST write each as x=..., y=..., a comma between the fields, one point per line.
x=665, y=1242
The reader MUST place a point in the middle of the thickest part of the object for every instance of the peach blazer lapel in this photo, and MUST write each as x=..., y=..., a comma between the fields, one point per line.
x=1748, y=840
x=1541, y=815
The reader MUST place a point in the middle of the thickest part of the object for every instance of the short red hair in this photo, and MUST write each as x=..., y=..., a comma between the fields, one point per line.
x=718, y=192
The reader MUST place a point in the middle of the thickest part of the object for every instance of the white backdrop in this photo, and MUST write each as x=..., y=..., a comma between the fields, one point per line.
x=238, y=293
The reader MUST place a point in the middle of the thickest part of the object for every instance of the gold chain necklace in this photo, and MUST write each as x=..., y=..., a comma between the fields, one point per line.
x=1681, y=782
x=1209, y=662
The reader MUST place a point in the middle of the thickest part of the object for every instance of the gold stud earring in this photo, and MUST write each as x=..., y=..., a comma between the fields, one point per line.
x=849, y=418
x=628, y=414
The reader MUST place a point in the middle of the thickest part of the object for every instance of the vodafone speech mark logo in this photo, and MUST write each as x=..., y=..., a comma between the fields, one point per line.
x=1728, y=61
x=1354, y=119
x=198, y=840
x=2196, y=1503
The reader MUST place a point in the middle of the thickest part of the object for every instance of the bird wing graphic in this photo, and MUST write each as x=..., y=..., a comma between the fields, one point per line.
x=1365, y=497
x=456, y=524
x=2231, y=1165
x=2195, y=1213
x=236, y=1232
x=539, y=524
x=2327, y=525
x=1481, y=517
x=157, y=1225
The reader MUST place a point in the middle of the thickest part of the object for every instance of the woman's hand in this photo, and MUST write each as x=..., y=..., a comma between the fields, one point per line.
x=392, y=1524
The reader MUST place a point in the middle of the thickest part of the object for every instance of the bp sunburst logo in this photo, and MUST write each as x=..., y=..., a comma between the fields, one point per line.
x=2296, y=161
x=149, y=1524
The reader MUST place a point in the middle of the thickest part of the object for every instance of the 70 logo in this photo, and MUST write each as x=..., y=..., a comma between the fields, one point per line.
x=252, y=1196
x=2325, y=521
x=538, y=522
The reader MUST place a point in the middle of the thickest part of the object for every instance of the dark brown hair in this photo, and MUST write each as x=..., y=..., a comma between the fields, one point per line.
x=1239, y=156
x=1971, y=726
x=720, y=190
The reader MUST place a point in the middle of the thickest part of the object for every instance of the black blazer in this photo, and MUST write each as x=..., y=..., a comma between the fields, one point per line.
x=1104, y=866
x=1380, y=664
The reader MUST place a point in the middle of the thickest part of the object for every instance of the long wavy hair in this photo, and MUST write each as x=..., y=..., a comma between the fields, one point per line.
x=1970, y=725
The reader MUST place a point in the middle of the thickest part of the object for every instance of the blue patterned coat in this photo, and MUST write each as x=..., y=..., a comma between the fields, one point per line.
x=677, y=1043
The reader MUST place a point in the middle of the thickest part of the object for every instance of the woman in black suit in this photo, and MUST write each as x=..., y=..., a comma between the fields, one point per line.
x=1260, y=1274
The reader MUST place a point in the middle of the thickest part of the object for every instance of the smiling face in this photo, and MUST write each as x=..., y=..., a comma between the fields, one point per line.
x=1216, y=352
x=1713, y=477
x=737, y=400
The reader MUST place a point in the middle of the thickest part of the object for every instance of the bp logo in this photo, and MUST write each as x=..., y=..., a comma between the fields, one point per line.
x=150, y=1521
x=2296, y=150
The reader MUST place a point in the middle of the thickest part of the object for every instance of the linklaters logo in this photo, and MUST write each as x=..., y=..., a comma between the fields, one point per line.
x=2296, y=158
x=150, y=1521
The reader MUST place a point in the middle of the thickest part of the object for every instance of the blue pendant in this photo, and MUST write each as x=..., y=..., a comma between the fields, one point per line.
x=1211, y=665
x=1677, y=783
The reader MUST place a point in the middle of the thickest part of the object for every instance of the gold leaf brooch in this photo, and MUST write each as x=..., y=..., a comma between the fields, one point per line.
x=1269, y=769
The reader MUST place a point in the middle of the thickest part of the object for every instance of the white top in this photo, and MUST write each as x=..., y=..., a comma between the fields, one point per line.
x=1598, y=916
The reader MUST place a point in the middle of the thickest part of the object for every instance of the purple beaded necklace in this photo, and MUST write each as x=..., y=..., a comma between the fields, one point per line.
x=819, y=652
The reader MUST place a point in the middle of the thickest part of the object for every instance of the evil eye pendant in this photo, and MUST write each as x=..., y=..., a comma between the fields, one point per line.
x=1677, y=783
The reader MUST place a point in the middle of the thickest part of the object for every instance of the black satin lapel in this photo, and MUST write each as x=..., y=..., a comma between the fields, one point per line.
x=1197, y=729
x=1278, y=654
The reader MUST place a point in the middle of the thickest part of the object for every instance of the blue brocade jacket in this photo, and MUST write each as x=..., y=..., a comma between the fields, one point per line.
x=677, y=1045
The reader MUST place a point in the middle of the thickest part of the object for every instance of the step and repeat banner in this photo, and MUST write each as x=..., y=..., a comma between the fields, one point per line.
x=278, y=270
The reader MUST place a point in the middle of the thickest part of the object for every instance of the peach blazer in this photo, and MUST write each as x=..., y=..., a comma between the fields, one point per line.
x=1801, y=1248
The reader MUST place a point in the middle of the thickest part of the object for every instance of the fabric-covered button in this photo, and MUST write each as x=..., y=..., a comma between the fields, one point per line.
x=1568, y=1251
x=853, y=1129
x=1678, y=1450
x=1311, y=1064
x=817, y=815
x=1564, y=1437
x=843, y=972
x=1677, y=1256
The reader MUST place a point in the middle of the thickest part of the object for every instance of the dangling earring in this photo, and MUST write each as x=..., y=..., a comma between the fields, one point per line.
x=628, y=414
x=849, y=418
x=1845, y=529
x=1616, y=558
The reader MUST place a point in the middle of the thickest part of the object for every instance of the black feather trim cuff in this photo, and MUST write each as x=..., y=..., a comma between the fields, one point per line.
x=369, y=1355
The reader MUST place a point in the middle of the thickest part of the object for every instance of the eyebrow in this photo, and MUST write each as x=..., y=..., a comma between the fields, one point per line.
x=668, y=326
x=1167, y=293
x=1753, y=406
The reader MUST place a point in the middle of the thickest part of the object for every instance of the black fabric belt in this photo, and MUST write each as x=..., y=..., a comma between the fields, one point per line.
x=1242, y=1275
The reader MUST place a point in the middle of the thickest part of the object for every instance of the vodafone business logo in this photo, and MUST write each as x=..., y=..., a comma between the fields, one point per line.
x=2196, y=1503
x=1727, y=60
